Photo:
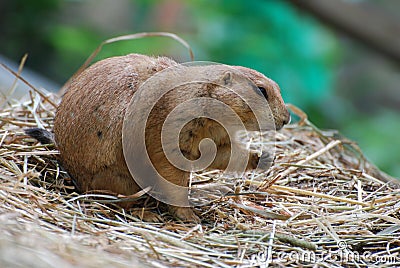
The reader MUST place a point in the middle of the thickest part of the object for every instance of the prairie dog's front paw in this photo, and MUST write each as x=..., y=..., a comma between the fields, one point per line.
x=184, y=213
x=146, y=216
x=262, y=163
x=253, y=161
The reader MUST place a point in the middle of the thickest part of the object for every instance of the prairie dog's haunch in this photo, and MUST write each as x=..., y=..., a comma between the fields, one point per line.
x=88, y=123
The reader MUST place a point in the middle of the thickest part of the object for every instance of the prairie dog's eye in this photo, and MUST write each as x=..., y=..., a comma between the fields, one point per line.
x=264, y=92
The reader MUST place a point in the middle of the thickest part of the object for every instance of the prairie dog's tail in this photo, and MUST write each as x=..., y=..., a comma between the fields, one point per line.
x=42, y=135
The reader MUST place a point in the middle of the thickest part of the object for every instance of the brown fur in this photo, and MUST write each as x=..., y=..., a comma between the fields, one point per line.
x=88, y=124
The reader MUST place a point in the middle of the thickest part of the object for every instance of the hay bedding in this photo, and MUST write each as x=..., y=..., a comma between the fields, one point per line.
x=319, y=198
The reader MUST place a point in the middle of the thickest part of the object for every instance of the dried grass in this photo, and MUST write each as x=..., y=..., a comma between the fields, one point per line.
x=320, y=195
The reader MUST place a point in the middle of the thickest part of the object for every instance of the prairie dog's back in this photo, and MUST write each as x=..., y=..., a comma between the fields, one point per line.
x=88, y=122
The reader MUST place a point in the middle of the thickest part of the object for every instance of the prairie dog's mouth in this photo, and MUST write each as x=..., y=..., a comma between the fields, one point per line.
x=280, y=123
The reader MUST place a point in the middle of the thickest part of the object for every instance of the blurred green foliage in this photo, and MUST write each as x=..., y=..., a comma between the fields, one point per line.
x=24, y=28
x=270, y=36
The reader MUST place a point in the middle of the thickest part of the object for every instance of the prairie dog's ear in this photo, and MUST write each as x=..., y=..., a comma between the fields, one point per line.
x=227, y=78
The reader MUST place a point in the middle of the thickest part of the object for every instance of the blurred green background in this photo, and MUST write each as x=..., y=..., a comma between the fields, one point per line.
x=337, y=81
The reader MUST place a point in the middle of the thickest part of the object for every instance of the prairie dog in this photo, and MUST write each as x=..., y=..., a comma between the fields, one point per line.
x=89, y=121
